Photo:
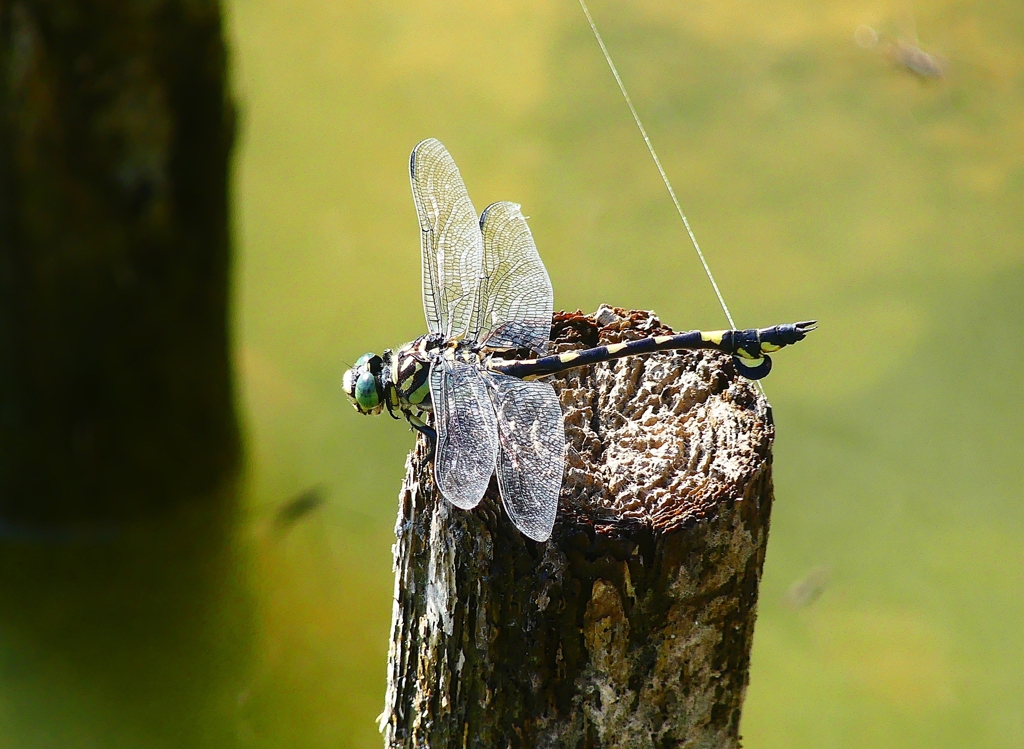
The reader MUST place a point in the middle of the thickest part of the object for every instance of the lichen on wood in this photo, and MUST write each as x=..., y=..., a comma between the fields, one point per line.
x=632, y=626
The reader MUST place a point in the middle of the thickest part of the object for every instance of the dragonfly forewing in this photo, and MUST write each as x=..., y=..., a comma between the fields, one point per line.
x=451, y=244
x=531, y=451
x=467, y=432
x=515, y=299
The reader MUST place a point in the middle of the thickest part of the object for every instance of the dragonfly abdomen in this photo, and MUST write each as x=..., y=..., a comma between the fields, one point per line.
x=749, y=347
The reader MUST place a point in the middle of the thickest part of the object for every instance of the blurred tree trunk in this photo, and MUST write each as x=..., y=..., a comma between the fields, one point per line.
x=115, y=377
x=123, y=620
x=631, y=627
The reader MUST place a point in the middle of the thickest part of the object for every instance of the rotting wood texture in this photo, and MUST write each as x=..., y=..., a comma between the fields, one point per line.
x=632, y=626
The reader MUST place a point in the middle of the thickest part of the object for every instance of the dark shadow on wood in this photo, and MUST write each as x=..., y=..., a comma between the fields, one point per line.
x=115, y=381
x=122, y=621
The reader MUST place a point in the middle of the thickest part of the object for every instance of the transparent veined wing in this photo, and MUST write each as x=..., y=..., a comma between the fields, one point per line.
x=515, y=299
x=531, y=451
x=451, y=245
x=467, y=432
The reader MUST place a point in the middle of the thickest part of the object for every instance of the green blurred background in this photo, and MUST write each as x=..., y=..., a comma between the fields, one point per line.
x=823, y=181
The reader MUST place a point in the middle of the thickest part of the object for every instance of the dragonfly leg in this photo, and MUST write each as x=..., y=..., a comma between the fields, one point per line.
x=431, y=434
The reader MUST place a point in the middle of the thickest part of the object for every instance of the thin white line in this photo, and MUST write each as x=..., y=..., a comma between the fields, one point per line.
x=657, y=162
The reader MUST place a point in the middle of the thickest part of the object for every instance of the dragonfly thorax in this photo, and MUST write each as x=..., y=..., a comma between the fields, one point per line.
x=408, y=375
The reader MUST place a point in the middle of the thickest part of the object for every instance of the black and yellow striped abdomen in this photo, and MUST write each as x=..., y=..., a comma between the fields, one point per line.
x=750, y=348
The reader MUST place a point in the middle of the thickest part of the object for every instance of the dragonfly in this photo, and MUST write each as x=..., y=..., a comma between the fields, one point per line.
x=488, y=300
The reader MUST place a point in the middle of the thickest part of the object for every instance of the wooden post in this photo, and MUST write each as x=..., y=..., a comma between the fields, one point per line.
x=632, y=626
x=116, y=400
x=125, y=620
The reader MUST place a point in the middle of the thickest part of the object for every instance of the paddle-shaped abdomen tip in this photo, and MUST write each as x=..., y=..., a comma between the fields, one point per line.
x=753, y=369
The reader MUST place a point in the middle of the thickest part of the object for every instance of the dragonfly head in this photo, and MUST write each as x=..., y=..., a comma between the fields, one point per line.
x=364, y=386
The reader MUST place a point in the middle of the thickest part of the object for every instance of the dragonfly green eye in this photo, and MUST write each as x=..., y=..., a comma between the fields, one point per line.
x=367, y=396
x=362, y=384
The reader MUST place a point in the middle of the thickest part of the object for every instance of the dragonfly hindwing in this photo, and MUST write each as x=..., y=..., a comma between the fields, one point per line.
x=515, y=299
x=531, y=451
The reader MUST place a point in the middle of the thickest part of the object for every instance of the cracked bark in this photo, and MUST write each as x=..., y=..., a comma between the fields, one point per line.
x=632, y=626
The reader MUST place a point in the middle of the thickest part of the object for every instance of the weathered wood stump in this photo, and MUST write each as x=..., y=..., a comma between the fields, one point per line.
x=632, y=626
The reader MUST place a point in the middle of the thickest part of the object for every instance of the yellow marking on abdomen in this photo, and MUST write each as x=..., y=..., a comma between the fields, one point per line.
x=616, y=348
x=660, y=339
x=571, y=356
x=769, y=347
x=713, y=336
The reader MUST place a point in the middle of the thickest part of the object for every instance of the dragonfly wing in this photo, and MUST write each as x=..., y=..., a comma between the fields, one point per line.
x=515, y=299
x=452, y=248
x=467, y=432
x=531, y=452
